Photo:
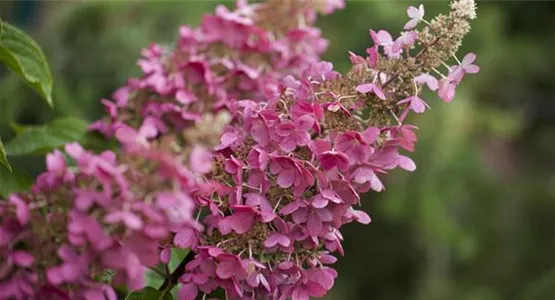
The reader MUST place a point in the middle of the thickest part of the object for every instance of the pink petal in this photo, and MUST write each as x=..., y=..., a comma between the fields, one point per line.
x=472, y=69
x=314, y=224
x=446, y=91
x=188, y=291
x=427, y=79
x=260, y=133
x=286, y=178
x=364, y=88
x=275, y=239
x=126, y=135
x=468, y=59
x=226, y=268
x=406, y=163
x=228, y=139
x=371, y=134
x=288, y=144
x=304, y=123
x=200, y=160
x=285, y=128
x=412, y=12
x=378, y=91
x=384, y=37
x=185, y=238
x=289, y=208
x=241, y=222
x=361, y=216
x=23, y=258
x=411, y=24
x=165, y=255
x=319, y=202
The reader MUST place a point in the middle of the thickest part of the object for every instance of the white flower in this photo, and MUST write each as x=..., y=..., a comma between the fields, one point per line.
x=466, y=8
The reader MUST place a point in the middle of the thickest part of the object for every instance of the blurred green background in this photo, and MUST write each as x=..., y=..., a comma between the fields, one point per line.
x=475, y=221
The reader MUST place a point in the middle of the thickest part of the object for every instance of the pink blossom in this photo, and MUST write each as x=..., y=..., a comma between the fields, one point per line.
x=416, y=15
x=466, y=67
x=200, y=160
x=446, y=90
x=371, y=87
x=416, y=104
x=328, y=157
x=290, y=172
x=406, y=39
x=294, y=133
x=427, y=79
x=355, y=146
x=22, y=210
x=230, y=266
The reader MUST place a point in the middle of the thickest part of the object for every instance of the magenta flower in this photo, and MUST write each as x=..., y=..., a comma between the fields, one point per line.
x=22, y=211
x=231, y=266
x=313, y=283
x=326, y=196
x=290, y=172
x=328, y=157
x=186, y=238
x=356, y=145
x=150, y=129
x=243, y=219
x=365, y=174
x=277, y=241
x=131, y=220
x=188, y=291
x=258, y=158
x=74, y=267
x=295, y=133
x=256, y=278
x=200, y=160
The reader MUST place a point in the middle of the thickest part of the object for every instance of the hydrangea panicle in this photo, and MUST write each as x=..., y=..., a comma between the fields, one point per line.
x=241, y=145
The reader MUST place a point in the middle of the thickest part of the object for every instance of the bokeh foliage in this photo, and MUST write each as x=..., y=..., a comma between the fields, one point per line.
x=476, y=221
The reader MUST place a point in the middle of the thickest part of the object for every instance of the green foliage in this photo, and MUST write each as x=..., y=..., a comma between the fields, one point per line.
x=148, y=293
x=3, y=159
x=154, y=279
x=177, y=256
x=45, y=138
x=12, y=182
x=21, y=54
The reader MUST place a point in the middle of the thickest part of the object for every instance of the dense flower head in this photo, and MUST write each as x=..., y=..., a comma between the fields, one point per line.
x=103, y=213
x=239, y=144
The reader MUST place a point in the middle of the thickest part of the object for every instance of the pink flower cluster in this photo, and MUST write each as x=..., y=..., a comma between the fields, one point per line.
x=79, y=221
x=259, y=200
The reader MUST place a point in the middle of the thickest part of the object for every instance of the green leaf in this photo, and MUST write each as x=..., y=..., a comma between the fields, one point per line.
x=22, y=54
x=153, y=279
x=178, y=255
x=3, y=159
x=12, y=182
x=148, y=293
x=45, y=138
